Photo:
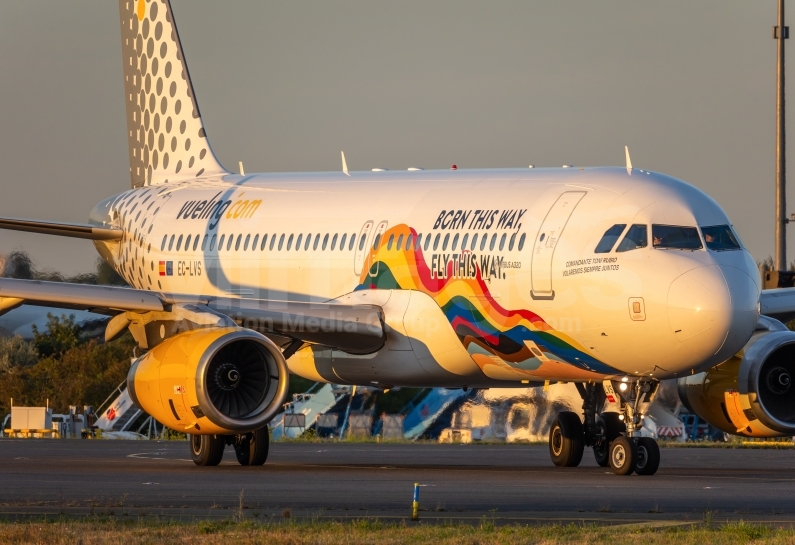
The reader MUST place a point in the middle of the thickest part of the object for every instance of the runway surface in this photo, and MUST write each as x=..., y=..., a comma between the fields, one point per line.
x=507, y=483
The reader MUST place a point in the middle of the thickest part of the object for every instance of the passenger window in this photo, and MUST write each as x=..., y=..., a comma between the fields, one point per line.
x=245, y=243
x=196, y=242
x=610, y=238
x=308, y=241
x=281, y=242
x=521, y=242
x=361, y=243
x=264, y=240
x=427, y=242
x=187, y=243
x=418, y=243
x=325, y=242
x=446, y=240
x=171, y=243
x=377, y=241
x=483, y=241
x=273, y=241
x=511, y=243
x=297, y=243
x=221, y=242
x=635, y=238
x=317, y=241
x=673, y=237
x=237, y=242
x=493, y=241
x=720, y=238
x=231, y=239
x=163, y=244
x=289, y=242
x=408, y=242
x=342, y=241
x=436, y=242
x=455, y=242
x=464, y=242
x=204, y=243
x=399, y=243
x=474, y=242
x=212, y=244
x=389, y=243
x=502, y=241
x=333, y=241
x=254, y=242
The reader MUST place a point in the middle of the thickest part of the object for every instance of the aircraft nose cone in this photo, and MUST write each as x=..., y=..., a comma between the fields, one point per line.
x=712, y=312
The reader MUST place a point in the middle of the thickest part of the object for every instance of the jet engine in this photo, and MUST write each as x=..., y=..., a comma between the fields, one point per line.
x=752, y=393
x=211, y=381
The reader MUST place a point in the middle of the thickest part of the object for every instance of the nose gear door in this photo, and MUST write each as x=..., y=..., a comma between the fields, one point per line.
x=546, y=242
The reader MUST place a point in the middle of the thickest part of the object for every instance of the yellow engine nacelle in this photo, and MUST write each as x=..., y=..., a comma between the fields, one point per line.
x=211, y=381
x=750, y=394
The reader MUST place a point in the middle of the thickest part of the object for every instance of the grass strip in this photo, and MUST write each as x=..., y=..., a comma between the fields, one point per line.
x=89, y=532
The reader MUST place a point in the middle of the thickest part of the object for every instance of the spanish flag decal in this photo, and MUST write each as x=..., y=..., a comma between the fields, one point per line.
x=166, y=268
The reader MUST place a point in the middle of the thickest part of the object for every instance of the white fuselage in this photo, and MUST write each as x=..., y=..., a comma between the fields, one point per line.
x=535, y=302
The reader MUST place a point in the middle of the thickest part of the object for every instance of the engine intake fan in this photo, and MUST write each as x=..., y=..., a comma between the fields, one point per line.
x=211, y=381
x=752, y=393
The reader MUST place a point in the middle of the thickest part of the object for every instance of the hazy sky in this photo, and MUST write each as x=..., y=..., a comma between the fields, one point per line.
x=284, y=86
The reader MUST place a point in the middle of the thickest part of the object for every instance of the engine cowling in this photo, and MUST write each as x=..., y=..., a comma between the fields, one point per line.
x=211, y=381
x=751, y=394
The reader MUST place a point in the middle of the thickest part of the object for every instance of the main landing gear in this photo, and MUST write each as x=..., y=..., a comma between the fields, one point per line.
x=251, y=449
x=614, y=436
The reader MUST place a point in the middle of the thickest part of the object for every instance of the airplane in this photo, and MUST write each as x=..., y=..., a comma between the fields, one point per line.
x=612, y=278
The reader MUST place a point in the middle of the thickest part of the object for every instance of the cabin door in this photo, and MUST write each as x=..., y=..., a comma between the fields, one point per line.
x=547, y=240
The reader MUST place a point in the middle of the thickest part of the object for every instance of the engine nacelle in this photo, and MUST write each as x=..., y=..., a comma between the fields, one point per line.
x=211, y=381
x=750, y=394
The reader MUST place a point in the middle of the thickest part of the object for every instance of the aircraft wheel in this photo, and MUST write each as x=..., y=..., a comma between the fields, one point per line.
x=610, y=426
x=648, y=456
x=207, y=450
x=251, y=449
x=623, y=455
x=566, y=440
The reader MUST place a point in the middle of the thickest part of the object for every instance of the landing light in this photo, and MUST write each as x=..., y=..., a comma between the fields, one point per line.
x=622, y=387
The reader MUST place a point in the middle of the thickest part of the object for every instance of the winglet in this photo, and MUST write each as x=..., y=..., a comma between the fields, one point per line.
x=629, y=161
x=344, y=164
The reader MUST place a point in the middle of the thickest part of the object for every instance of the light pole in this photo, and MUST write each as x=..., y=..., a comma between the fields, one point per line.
x=780, y=33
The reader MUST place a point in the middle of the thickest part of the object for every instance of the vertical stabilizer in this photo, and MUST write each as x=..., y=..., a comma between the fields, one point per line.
x=164, y=129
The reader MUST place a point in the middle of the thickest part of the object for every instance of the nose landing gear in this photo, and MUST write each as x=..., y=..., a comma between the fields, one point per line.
x=615, y=436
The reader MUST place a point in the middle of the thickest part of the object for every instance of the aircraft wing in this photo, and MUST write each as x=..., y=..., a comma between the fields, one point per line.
x=357, y=329
x=778, y=303
x=73, y=230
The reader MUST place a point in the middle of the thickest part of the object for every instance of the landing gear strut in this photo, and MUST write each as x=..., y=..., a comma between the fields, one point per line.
x=614, y=436
x=251, y=449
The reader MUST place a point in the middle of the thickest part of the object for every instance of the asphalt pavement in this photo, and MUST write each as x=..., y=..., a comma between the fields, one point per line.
x=506, y=483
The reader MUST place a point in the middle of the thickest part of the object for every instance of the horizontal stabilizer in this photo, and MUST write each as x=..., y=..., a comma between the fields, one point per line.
x=74, y=230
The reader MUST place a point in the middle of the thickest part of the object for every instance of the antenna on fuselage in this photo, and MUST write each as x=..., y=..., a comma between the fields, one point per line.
x=344, y=164
x=629, y=161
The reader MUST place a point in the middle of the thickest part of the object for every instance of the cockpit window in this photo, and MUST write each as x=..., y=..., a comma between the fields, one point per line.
x=637, y=237
x=674, y=237
x=720, y=238
x=609, y=239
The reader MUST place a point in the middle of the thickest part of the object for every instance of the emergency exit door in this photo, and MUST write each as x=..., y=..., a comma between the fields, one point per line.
x=547, y=240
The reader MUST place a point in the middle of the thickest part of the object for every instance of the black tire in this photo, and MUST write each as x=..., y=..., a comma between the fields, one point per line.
x=566, y=440
x=648, y=459
x=610, y=426
x=251, y=449
x=623, y=455
x=207, y=450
